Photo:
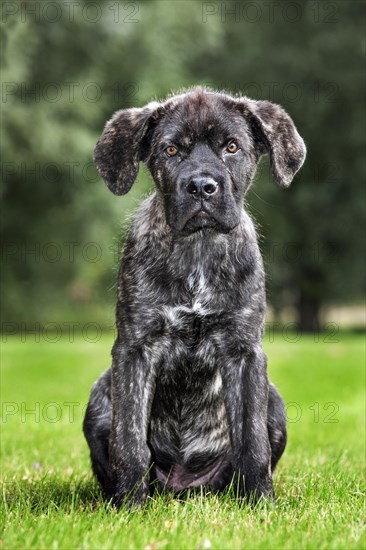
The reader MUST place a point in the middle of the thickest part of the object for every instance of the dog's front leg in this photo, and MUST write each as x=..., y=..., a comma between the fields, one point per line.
x=133, y=383
x=246, y=398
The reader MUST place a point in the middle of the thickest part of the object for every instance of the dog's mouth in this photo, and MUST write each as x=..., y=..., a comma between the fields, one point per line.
x=200, y=220
x=202, y=215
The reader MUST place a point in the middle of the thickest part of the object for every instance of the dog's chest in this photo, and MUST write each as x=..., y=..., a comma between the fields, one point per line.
x=188, y=420
x=188, y=424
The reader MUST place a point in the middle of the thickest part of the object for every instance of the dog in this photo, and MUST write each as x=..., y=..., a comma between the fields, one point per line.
x=187, y=402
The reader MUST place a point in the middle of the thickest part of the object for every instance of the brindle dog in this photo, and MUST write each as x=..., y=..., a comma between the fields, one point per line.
x=187, y=401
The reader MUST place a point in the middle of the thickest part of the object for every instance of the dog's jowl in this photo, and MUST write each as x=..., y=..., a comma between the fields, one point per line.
x=187, y=401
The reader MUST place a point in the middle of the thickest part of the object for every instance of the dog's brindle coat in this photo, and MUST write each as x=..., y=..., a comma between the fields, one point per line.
x=187, y=401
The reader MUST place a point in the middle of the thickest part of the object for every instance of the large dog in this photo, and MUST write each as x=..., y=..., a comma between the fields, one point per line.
x=187, y=400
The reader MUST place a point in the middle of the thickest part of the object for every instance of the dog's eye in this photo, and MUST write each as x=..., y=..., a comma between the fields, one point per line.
x=231, y=147
x=171, y=150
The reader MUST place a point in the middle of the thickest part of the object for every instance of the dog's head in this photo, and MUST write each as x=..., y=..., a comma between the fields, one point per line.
x=202, y=149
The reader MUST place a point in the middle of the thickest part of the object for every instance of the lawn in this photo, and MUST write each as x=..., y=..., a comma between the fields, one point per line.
x=50, y=500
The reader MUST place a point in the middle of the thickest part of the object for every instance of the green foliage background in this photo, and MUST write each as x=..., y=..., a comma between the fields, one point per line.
x=65, y=72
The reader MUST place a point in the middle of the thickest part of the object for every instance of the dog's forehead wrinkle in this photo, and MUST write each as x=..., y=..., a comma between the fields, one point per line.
x=216, y=124
x=201, y=115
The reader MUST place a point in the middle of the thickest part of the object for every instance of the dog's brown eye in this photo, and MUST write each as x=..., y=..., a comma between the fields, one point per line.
x=171, y=151
x=232, y=147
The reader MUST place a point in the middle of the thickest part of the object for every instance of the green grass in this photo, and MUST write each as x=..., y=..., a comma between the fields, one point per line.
x=50, y=499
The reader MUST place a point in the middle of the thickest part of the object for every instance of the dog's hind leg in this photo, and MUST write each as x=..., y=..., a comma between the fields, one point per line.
x=276, y=425
x=97, y=427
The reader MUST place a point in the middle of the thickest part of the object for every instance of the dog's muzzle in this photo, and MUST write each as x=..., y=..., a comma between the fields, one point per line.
x=201, y=189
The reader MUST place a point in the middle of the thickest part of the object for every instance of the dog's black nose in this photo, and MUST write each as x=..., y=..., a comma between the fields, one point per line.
x=202, y=188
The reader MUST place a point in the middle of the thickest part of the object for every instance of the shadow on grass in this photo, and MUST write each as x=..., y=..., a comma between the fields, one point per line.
x=42, y=494
x=50, y=493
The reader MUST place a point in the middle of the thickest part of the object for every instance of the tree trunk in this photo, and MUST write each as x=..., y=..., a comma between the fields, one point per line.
x=308, y=314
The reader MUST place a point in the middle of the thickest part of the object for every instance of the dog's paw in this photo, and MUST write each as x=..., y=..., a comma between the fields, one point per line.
x=130, y=498
x=261, y=493
x=251, y=490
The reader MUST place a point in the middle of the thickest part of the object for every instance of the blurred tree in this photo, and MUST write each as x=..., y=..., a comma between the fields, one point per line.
x=46, y=151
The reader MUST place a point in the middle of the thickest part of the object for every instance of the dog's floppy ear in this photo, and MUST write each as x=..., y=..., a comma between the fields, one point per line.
x=118, y=150
x=275, y=133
